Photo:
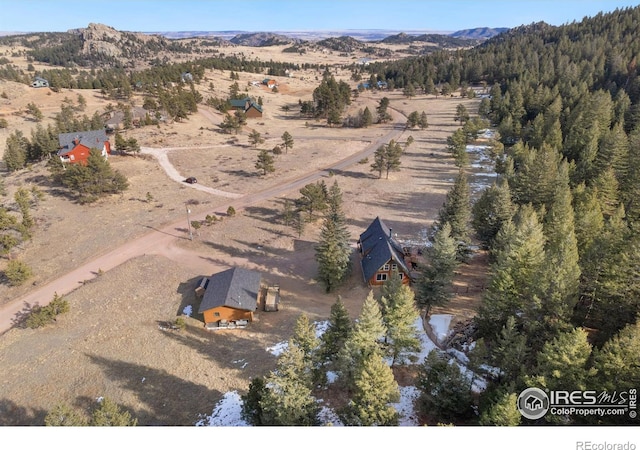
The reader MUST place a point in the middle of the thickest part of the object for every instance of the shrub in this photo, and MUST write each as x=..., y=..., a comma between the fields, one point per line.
x=231, y=211
x=44, y=315
x=180, y=323
x=17, y=272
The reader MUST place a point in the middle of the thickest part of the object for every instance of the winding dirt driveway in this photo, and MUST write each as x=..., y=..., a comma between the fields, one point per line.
x=158, y=241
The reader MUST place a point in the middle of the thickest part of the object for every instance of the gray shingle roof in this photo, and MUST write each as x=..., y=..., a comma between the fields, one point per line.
x=236, y=288
x=378, y=247
x=91, y=139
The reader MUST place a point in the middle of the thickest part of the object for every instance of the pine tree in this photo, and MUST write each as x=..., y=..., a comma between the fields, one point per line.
x=95, y=179
x=617, y=361
x=43, y=143
x=378, y=161
x=337, y=333
x=399, y=316
x=265, y=162
x=304, y=336
x=457, y=146
x=251, y=408
x=392, y=157
x=433, y=288
x=445, y=391
x=491, y=211
x=503, y=413
x=589, y=220
x=515, y=280
x=364, y=341
x=313, y=199
x=387, y=158
x=333, y=252
x=609, y=288
x=109, y=414
x=423, y=123
x=510, y=352
x=367, y=117
x=375, y=389
x=456, y=211
x=562, y=364
x=63, y=415
x=462, y=115
x=563, y=271
x=15, y=153
x=255, y=138
x=288, y=399
x=287, y=141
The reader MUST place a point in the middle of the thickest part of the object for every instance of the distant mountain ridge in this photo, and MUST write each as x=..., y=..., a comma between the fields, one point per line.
x=479, y=33
x=288, y=37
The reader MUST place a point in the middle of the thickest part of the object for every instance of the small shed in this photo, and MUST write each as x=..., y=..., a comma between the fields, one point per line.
x=271, y=298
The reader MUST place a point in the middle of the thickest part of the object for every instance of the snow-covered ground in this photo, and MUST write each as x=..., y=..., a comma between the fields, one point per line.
x=485, y=173
x=227, y=412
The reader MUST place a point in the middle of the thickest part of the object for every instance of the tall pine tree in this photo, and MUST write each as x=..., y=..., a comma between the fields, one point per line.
x=333, y=252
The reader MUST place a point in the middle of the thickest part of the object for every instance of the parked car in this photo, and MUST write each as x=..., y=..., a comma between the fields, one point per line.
x=191, y=180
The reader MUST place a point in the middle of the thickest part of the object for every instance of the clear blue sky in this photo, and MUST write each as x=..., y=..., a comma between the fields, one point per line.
x=293, y=15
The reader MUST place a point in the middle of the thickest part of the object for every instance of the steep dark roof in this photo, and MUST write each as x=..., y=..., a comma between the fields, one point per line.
x=254, y=105
x=378, y=247
x=90, y=139
x=244, y=104
x=239, y=103
x=236, y=288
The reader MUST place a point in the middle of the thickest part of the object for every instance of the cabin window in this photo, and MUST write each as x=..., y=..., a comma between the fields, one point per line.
x=394, y=267
x=385, y=267
x=401, y=275
x=381, y=277
x=216, y=314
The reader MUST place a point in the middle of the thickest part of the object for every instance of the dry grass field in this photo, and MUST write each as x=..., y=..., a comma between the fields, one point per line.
x=111, y=343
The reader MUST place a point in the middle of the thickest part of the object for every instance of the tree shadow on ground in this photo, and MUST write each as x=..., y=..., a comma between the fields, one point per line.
x=170, y=399
x=187, y=291
x=12, y=414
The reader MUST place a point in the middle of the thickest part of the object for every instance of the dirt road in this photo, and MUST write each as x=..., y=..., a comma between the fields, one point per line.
x=158, y=239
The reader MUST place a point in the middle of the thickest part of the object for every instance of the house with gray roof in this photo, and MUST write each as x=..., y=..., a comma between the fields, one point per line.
x=39, y=82
x=381, y=255
x=74, y=148
x=230, y=298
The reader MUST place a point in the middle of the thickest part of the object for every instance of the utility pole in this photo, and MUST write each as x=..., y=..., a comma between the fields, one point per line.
x=189, y=223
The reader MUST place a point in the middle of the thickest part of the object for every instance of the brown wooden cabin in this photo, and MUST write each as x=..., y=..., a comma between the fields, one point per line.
x=230, y=298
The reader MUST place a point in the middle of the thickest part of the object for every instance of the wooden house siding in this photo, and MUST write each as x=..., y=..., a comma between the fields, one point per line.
x=226, y=313
x=253, y=112
x=382, y=275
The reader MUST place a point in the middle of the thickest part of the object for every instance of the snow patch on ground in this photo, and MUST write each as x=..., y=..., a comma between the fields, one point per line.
x=440, y=325
x=406, y=406
x=227, y=413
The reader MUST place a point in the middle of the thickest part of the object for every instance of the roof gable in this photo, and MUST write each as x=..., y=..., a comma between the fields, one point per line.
x=234, y=288
x=378, y=247
x=90, y=139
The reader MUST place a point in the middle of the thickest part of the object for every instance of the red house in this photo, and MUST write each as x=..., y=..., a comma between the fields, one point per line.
x=74, y=147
